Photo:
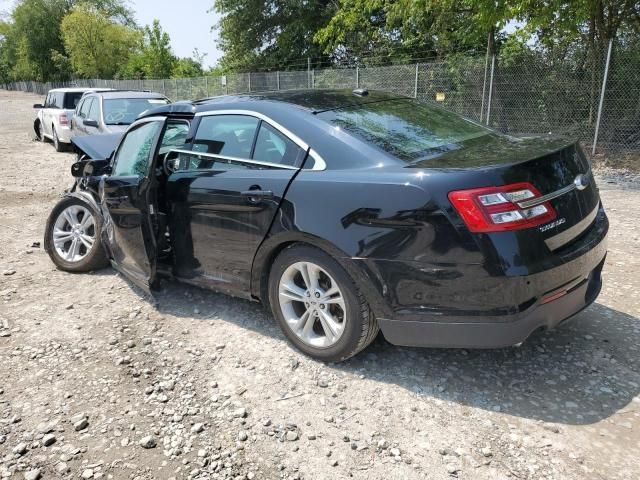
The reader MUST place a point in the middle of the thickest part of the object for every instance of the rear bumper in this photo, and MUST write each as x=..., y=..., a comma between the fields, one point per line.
x=496, y=333
x=64, y=134
x=493, y=311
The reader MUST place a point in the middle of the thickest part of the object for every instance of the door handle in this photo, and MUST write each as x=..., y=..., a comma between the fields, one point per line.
x=256, y=196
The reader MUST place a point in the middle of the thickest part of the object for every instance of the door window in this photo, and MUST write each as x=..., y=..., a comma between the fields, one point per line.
x=94, y=111
x=133, y=156
x=174, y=135
x=86, y=107
x=273, y=147
x=48, y=102
x=227, y=135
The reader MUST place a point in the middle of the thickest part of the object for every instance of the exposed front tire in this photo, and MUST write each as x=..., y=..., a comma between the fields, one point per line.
x=39, y=129
x=318, y=305
x=73, y=236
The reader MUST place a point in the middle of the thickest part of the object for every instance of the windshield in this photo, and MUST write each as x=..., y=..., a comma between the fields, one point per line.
x=71, y=100
x=410, y=130
x=124, y=111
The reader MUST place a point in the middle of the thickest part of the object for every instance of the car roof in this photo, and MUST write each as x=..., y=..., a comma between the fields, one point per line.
x=314, y=101
x=71, y=90
x=114, y=94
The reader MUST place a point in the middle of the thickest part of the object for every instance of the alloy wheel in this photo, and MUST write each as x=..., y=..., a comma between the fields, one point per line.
x=74, y=233
x=312, y=304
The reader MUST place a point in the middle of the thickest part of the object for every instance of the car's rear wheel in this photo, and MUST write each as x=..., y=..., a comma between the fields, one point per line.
x=56, y=141
x=318, y=305
x=73, y=236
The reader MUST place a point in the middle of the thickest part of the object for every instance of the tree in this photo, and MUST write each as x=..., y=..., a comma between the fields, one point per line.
x=154, y=57
x=32, y=46
x=271, y=34
x=189, y=67
x=97, y=46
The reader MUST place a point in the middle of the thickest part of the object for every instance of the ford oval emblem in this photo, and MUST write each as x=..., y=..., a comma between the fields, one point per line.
x=581, y=182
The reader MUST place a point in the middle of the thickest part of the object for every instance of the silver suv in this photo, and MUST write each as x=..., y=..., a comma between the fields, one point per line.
x=112, y=111
x=54, y=116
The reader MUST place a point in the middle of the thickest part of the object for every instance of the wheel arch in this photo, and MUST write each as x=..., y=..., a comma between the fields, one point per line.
x=274, y=245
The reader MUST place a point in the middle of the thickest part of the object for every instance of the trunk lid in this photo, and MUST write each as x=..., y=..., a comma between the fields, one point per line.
x=559, y=171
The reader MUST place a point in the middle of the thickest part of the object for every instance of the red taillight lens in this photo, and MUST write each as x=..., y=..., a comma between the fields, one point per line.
x=497, y=209
x=64, y=120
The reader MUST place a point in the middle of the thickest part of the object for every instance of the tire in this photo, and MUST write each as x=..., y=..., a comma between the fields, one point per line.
x=86, y=259
x=355, y=327
x=56, y=141
x=40, y=132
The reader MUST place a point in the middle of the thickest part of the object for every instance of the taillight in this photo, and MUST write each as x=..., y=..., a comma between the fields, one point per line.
x=496, y=209
x=64, y=120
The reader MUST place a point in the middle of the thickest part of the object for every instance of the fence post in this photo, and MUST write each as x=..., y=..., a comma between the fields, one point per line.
x=357, y=76
x=164, y=87
x=602, y=92
x=206, y=86
x=484, y=83
x=313, y=78
x=415, y=85
x=493, y=63
x=278, y=79
x=249, y=81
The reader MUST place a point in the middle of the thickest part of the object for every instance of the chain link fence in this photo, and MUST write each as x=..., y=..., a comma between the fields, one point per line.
x=520, y=96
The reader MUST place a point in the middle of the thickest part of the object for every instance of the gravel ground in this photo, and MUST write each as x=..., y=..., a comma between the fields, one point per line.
x=100, y=381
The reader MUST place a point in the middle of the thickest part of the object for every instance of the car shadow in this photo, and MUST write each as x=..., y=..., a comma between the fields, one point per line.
x=577, y=374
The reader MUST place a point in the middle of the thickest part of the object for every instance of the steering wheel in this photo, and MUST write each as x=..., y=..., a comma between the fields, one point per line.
x=115, y=116
x=169, y=162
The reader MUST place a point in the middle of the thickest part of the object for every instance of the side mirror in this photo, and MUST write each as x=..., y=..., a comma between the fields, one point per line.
x=38, y=105
x=90, y=123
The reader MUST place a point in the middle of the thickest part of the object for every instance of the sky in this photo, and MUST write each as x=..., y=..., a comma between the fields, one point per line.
x=188, y=23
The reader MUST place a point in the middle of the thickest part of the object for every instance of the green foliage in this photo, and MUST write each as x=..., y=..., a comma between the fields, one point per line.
x=32, y=47
x=153, y=58
x=187, y=67
x=270, y=34
x=97, y=46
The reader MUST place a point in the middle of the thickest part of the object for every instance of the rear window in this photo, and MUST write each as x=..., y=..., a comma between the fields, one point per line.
x=407, y=129
x=71, y=100
x=124, y=111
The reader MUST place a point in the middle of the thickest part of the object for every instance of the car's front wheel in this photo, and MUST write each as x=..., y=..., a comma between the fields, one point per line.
x=73, y=236
x=40, y=131
x=318, y=305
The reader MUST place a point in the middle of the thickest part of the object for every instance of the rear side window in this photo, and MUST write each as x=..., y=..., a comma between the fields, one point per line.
x=227, y=135
x=59, y=99
x=273, y=147
x=71, y=100
x=409, y=130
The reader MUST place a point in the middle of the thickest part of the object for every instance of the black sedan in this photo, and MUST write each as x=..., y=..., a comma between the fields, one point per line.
x=347, y=213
